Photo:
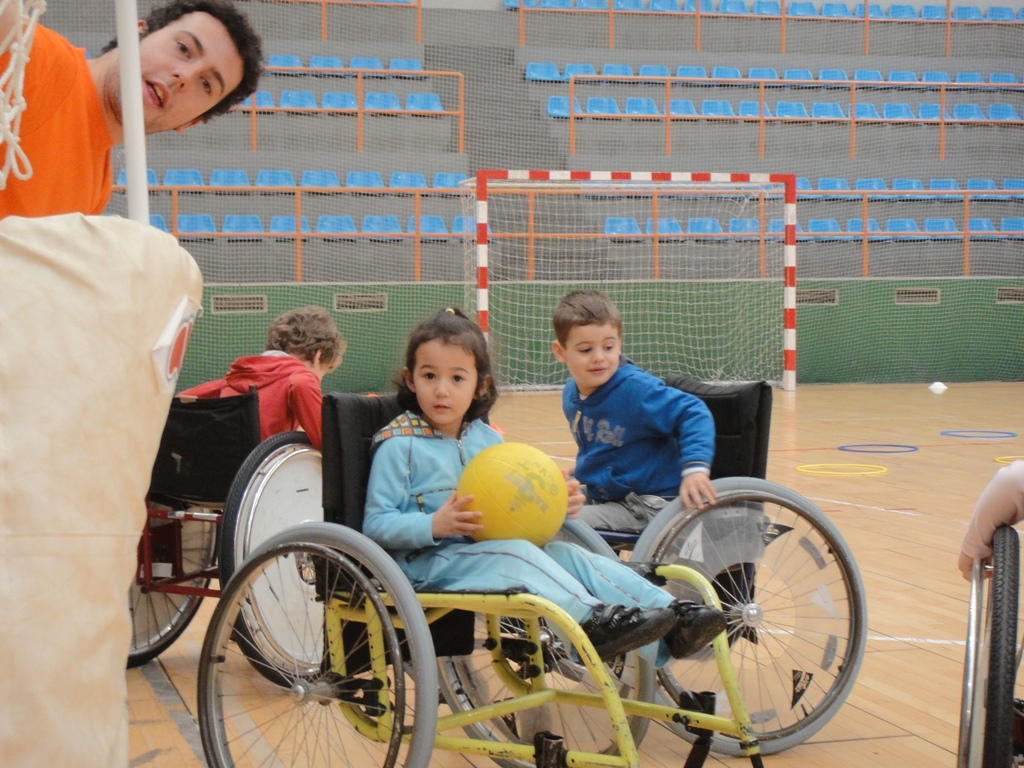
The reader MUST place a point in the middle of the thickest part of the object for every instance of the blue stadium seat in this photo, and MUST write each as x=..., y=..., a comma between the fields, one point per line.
x=274, y=178
x=407, y=180
x=157, y=220
x=929, y=111
x=665, y=6
x=716, y=108
x=276, y=60
x=263, y=100
x=902, y=76
x=556, y=4
x=381, y=101
x=682, y=107
x=744, y=229
x=423, y=102
x=777, y=228
x=285, y=225
x=999, y=13
x=800, y=8
x=797, y=74
x=753, y=109
x=703, y=226
x=578, y=68
x=967, y=112
x=908, y=185
x=874, y=11
x=982, y=229
x=408, y=67
x=326, y=62
x=941, y=229
x=653, y=70
x=464, y=226
x=725, y=73
x=636, y=105
x=968, y=77
x=367, y=62
x=592, y=5
x=320, y=178
x=628, y=5
x=902, y=11
x=619, y=228
x=833, y=74
x=803, y=184
x=666, y=226
x=980, y=185
x=856, y=227
x=298, y=100
x=364, y=179
x=762, y=73
x=602, y=105
x=616, y=69
x=685, y=70
x=825, y=229
x=897, y=111
x=867, y=76
x=195, y=224
x=791, y=109
x=336, y=225
x=934, y=76
x=543, y=72
x=876, y=184
x=828, y=110
x=229, y=177
x=1002, y=112
x=242, y=224
x=706, y=6
x=381, y=224
x=1003, y=78
x=431, y=226
x=340, y=100
x=1014, y=184
x=1014, y=225
x=933, y=12
x=866, y=112
x=738, y=7
x=907, y=229
x=122, y=177
x=447, y=180
x=836, y=11
x=767, y=8
x=936, y=185
x=967, y=13
x=833, y=184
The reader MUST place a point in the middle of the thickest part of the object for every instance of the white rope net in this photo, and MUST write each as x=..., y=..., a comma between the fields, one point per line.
x=14, y=48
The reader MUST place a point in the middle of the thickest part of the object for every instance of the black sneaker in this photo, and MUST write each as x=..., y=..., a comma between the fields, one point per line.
x=615, y=629
x=696, y=626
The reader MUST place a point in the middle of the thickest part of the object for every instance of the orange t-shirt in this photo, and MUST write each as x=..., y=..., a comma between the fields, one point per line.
x=63, y=133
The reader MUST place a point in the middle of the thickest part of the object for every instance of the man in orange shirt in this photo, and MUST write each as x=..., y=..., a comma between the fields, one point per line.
x=198, y=58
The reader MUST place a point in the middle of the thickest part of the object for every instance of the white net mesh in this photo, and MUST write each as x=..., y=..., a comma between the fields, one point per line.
x=695, y=267
x=14, y=55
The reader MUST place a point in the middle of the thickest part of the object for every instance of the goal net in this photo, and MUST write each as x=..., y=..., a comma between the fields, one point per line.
x=14, y=55
x=701, y=266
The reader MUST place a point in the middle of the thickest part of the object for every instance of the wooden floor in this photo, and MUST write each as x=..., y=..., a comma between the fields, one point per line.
x=902, y=512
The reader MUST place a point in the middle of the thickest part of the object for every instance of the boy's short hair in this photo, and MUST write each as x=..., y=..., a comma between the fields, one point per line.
x=305, y=331
x=584, y=308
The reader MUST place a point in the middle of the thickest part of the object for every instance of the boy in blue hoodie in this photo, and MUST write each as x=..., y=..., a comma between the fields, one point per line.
x=639, y=442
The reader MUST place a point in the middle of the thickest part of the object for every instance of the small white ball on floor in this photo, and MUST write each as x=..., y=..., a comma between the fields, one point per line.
x=937, y=387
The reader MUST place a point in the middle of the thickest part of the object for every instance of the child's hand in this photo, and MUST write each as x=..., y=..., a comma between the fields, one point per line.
x=696, y=489
x=576, y=497
x=966, y=565
x=452, y=519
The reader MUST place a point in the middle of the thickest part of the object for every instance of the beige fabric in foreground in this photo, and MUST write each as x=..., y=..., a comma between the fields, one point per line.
x=83, y=302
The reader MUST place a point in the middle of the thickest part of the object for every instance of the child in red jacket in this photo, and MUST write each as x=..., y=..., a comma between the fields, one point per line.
x=303, y=346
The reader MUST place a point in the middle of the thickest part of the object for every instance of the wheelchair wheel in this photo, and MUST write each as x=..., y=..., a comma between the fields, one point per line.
x=1001, y=641
x=159, y=618
x=793, y=598
x=348, y=691
x=468, y=682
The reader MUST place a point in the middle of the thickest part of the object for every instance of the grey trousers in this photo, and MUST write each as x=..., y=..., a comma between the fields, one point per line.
x=630, y=515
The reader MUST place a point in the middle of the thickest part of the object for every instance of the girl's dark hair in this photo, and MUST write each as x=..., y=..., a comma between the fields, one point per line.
x=451, y=326
x=246, y=41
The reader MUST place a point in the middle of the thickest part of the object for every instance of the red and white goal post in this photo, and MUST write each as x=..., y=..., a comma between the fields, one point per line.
x=701, y=265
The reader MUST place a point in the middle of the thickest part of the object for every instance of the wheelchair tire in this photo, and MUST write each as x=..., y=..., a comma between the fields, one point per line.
x=1001, y=638
x=468, y=682
x=793, y=598
x=359, y=711
x=159, y=618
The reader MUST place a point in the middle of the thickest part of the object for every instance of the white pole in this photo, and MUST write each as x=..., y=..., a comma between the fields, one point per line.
x=131, y=110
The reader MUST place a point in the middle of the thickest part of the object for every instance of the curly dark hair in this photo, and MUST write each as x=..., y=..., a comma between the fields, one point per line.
x=246, y=41
x=305, y=331
x=451, y=326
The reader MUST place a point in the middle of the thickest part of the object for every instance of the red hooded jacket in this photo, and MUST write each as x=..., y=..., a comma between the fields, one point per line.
x=290, y=394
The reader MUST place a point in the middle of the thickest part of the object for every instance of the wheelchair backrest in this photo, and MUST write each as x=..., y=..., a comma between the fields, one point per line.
x=203, y=445
x=349, y=424
x=742, y=413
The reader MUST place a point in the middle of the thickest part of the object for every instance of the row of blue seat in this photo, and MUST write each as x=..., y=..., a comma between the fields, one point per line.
x=627, y=228
x=937, y=188
x=548, y=71
x=431, y=226
x=237, y=177
x=345, y=100
x=798, y=8
x=278, y=61
x=558, y=106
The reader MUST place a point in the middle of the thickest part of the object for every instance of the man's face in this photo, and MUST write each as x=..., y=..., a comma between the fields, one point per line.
x=188, y=67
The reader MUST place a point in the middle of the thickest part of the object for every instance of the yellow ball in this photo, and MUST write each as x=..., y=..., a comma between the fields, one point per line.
x=520, y=491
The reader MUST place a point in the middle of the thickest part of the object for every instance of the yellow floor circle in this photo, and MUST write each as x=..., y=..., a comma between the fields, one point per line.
x=842, y=469
x=1008, y=459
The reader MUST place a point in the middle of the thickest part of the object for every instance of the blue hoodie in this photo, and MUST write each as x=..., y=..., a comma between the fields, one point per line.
x=635, y=433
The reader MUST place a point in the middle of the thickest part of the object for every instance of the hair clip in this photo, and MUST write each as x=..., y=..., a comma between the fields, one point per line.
x=449, y=310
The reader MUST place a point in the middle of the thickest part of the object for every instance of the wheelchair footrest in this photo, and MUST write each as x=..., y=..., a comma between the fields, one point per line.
x=549, y=750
